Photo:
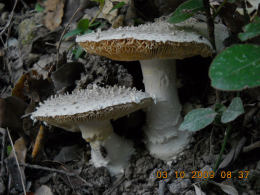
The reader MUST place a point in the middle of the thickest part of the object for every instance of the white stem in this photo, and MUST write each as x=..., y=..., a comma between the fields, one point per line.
x=164, y=116
x=117, y=150
x=164, y=141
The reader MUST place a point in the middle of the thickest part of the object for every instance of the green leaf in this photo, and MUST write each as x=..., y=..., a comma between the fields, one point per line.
x=236, y=68
x=78, y=52
x=83, y=25
x=186, y=10
x=251, y=30
x=72, y=33
x=198, y=119
x=38, y=7
x=117, y=6
x=234, y=110
x=9, y=150
x=94, y=24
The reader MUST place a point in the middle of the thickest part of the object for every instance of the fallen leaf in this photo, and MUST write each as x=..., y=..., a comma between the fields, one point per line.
x=226, y=188
x=68, y=154
x=54, y=15
x=11, y=110
x=198, y=191
x=233, y=154
x=20, y=149
x=67, y=74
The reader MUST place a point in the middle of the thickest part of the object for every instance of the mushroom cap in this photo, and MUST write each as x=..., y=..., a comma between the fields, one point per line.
x=96, y=103
x=153, y=40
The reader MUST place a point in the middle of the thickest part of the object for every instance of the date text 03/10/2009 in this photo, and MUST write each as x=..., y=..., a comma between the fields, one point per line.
x=202, y=174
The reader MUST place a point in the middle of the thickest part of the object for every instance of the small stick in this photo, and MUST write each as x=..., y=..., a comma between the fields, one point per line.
x=251, y=147
x=38, y=142
x=47, y=169
x=65, y=29
x=61, y=37
x=10, y=19
x=3, y=131
x=210, y=24
x=55, y=170
x=16, y=160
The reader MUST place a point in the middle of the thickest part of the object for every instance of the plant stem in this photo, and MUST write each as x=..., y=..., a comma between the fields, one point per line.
x=210, y=23
x=227, y=133
x=219, y=8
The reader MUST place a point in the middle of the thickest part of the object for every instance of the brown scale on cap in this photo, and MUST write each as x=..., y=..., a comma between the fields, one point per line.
x=131, y=49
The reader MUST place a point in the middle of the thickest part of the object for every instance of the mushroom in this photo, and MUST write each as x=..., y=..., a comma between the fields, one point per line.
x=90, y=111
x=156, y=45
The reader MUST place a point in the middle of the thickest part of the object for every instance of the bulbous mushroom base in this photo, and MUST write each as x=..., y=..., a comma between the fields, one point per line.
x=107, y=148
x=169, y=150
x=112, y=153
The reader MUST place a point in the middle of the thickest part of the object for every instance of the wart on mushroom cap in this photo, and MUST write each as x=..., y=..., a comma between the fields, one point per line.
x=89, y=111
x=154, y=44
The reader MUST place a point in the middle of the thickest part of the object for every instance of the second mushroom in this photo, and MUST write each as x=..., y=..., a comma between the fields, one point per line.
x=89, y=111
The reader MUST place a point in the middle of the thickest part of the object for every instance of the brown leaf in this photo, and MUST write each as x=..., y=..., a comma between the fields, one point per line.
x=54, y=14
x=19, y=87
x=11, y=110
x=20, y=149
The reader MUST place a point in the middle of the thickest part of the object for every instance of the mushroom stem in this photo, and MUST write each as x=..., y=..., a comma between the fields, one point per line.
x=163, y=117
x=107, y=148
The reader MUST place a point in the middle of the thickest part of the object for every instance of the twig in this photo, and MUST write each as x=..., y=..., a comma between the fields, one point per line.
x=47, y=169
x=3, y=131
x=65, y=30
x=251, y=147
x=38, y=142
x=210, y=24
x=219, y=8
x=246, y=15
x=16, y=160
x=117, y=183
x=10, y=19
x=55, y=170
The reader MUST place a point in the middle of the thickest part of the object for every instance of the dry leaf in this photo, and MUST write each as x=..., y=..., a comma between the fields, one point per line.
x=20, y=149
x=198, y=191
x=54, y=15
x=226, y=188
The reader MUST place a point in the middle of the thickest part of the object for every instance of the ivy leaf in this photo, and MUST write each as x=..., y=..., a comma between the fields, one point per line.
x=186, y=10
x=117, y=6
x=72, y=33
x=236, y=68
x=198, y=119
x=83, y=25
x=234, y=110
x=251, y=30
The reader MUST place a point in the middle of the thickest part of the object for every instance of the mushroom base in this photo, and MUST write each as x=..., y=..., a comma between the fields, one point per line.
x=112, y=153
x=107, y=148
x=169, y=149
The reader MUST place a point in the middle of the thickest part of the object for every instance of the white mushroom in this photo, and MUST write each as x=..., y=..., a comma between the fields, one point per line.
x=156, y=45
x=90, y=111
